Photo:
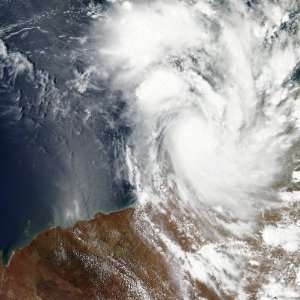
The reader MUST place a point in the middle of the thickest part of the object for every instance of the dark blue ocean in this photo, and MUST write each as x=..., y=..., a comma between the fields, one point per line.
x=61, y=145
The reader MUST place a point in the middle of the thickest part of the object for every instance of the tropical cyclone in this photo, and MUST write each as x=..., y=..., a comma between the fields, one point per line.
x=212, y=98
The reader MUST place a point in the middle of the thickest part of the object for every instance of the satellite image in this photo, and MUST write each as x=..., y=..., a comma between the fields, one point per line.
x=150, y=149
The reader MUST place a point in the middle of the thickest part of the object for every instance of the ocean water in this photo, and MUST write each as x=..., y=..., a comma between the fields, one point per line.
x=62, y=132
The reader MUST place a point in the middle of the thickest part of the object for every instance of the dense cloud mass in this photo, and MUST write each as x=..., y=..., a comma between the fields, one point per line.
x=212, y=98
